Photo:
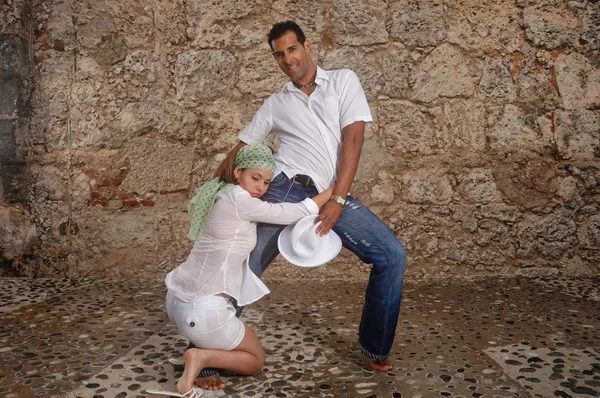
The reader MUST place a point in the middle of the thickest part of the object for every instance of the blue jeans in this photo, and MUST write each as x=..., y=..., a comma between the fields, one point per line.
x=363, y=233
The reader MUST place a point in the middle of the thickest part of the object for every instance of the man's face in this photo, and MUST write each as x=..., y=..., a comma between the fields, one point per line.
x=293, y=58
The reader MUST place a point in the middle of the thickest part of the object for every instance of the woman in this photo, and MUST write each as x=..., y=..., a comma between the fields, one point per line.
x=224, y=213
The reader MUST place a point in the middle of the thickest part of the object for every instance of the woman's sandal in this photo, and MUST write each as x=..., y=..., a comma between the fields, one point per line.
x=195, y=392
x=177, y=361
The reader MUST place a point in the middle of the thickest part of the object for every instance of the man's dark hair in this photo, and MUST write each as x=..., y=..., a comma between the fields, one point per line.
x=281, y=28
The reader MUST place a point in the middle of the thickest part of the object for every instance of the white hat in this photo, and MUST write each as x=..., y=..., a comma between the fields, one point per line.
x=300, y=245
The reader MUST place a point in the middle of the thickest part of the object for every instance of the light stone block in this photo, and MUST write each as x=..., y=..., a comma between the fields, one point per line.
x=406, y=128
x=552, y=236
x=485, y=26
x=135, y=228
x=395, y=65
x=533, y=76
x=424, y=188
x=417, y=23
x=578, y=81
x=107, y=29
x=204, y=75
x=477, y=186
x=445, y=72
x=50, y=102
x=578, y=133
x=314, y=21
x=591, y=25
x=383, y=191
x=51, y=182
x=496, y=83
x=260, y=75
x=170, y=20
x=223, y=24
x=221, y=122
x=364, y=65
x=359, y=22
x=550, y=27
x=512, y=132
x=158, y=167
x=177, y=123
x=462, y=123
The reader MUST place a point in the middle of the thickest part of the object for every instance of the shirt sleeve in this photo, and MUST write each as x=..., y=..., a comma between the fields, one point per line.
x=254, y=209
x=353, y=102
x=260, y=126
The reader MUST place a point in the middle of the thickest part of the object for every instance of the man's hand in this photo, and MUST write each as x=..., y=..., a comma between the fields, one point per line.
x=329, y=214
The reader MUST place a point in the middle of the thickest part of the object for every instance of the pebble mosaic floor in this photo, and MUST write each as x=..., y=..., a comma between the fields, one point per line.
x=480, y=338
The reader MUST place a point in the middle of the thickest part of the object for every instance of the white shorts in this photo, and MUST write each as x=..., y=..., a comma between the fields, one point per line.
x=208, y=323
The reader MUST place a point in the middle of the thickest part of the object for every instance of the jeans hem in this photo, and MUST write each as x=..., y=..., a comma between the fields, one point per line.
x=374, y=357
x=208, y=372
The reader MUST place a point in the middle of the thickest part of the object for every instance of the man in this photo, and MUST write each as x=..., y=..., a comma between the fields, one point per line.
x=320, y=118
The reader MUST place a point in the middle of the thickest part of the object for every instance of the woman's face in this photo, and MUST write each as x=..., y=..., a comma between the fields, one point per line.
x=255, y=181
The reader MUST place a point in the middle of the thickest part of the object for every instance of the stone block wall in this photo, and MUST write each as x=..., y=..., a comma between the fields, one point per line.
x=484, y=156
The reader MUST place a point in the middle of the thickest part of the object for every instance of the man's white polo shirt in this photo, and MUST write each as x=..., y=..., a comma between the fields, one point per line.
x=310, y=127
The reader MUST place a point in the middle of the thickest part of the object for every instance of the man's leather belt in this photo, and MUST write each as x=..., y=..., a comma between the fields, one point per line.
x=303, y=180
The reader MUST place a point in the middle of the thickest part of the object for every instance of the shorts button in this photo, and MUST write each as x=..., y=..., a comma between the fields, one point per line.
x=192, y=324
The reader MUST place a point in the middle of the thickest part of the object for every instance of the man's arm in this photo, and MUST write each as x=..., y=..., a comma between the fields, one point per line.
x=352, y=141
x=231, y=153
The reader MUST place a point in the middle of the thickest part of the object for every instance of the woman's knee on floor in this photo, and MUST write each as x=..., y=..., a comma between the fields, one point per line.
x=259, y=354
x=260, y=362
x=254, y=363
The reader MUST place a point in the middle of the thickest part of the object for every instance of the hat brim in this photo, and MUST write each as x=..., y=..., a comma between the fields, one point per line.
x=325, y=254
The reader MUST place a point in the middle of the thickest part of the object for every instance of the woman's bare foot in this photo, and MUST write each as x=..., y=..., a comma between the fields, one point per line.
x=194, y=362
x=212, y=383
x=382, y=366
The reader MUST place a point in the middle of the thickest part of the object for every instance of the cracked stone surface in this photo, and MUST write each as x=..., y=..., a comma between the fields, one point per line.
x=486, y=337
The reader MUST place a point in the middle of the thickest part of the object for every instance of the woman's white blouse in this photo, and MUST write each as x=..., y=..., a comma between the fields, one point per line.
x=218, y=262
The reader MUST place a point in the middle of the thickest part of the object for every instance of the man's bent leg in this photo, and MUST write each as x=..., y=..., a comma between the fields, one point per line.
x=372, y=241
x=281, y=189
x=266, y=247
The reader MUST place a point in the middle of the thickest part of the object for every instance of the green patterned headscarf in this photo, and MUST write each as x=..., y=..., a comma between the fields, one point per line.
x=256, y=156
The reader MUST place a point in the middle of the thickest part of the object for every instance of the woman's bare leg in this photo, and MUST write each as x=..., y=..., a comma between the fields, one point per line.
x=247, y=358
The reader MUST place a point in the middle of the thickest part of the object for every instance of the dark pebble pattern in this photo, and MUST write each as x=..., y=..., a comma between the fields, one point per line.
x=488, y=337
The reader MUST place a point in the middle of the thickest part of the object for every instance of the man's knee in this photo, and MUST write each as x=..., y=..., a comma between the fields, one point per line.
x=399, y=254
x=396, y=256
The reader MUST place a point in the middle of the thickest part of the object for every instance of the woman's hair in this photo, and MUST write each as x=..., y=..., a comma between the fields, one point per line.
x=227, y=174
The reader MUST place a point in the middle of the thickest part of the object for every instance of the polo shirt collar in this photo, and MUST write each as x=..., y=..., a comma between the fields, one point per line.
x=321, y=76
